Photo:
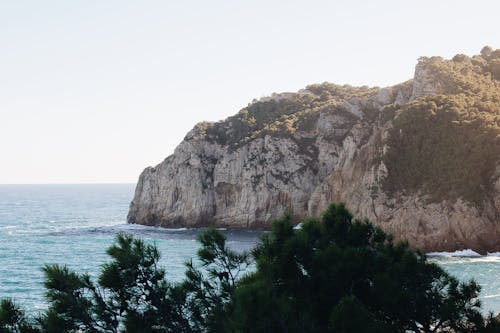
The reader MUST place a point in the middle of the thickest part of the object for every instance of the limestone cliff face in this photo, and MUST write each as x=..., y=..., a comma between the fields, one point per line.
x=299, y=152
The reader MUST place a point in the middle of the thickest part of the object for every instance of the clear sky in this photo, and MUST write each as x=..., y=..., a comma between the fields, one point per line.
x=93, y=91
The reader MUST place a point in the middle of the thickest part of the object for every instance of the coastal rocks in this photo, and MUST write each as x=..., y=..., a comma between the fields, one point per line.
x=299, y=152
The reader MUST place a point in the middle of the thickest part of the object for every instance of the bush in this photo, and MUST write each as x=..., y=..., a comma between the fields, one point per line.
x=447, y=145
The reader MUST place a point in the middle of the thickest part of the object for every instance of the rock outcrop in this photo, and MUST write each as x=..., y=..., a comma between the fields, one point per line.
x=420, y=159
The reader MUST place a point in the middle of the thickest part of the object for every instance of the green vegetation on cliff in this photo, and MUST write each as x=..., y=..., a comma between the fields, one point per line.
x=283, y=114
x=447, y=145
x=444, y=144
x=336, y=274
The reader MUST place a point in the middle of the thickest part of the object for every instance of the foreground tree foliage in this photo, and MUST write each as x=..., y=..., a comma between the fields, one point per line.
x=345, y=275
x=332, y=275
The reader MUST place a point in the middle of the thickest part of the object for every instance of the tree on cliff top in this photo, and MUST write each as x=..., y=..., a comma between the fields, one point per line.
x=335, y=274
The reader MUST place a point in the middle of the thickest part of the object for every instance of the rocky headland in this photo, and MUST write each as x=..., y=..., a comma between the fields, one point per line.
x=420, y=159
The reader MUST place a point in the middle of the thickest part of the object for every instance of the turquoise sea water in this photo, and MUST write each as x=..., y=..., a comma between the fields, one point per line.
x=74, y=224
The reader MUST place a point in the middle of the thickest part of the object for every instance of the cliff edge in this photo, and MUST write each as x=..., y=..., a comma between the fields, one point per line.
x=420, y=159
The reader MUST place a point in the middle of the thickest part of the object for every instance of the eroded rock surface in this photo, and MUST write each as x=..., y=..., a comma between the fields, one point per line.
x=298, y=152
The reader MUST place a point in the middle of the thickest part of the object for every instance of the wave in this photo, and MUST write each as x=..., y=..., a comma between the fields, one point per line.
x=8, y=227
x=113, y=227
x=240, y=239
x=468, y=253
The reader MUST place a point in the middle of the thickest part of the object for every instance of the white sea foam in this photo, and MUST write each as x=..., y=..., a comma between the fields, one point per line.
x=459, y=253
x=8, y=227
x=126, y=226
x=115, y=227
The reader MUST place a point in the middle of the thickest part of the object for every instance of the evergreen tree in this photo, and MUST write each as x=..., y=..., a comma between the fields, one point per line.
x=336, y=274
x=210, y=288
x=13, y=319
x=345, y=275
x=132, y=295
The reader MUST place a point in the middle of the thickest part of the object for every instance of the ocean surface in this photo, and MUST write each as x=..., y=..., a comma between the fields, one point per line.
x=74, y=224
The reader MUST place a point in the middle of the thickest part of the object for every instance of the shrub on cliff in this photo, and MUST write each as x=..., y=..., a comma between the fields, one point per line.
x=446, y=145
x=335, y=274
x=281, y=115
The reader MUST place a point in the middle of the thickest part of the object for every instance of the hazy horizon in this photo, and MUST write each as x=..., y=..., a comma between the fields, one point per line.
x=94, y=92
x=69, y=184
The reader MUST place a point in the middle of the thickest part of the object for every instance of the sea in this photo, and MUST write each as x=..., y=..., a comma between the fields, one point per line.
x=74, y=224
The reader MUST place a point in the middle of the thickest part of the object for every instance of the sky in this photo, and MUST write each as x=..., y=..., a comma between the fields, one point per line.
x=94, y=91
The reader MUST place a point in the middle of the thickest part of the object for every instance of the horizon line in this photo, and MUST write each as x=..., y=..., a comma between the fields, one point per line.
x=70, y=183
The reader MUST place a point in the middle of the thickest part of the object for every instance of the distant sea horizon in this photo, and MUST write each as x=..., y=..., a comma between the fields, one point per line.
x=75, y=183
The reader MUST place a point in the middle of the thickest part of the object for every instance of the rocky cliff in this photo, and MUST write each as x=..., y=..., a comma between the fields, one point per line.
x=420, y=159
